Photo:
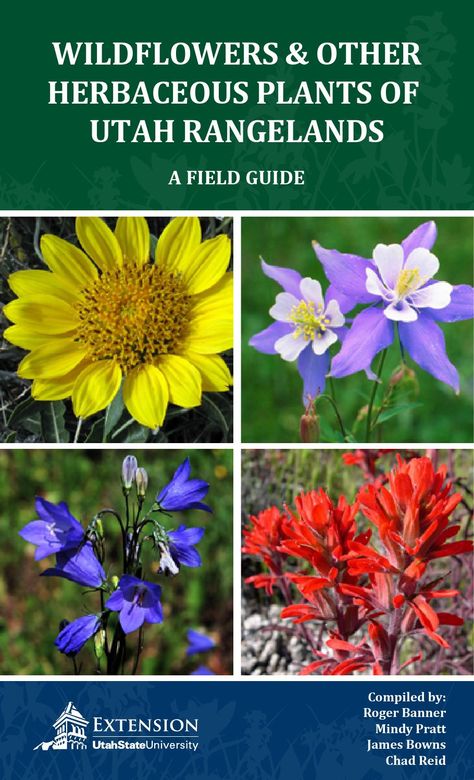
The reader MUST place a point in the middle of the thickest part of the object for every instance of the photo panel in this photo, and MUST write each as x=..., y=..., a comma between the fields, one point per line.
x=109, y=560
x=357, y=329
x=357, y=562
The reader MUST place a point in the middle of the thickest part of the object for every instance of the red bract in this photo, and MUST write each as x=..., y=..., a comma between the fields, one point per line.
x=369, y=594
x=262, y=539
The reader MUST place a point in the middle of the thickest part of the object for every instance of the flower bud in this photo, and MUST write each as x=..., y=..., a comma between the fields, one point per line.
x=309, y=427
x=141, y=480
x=129, y=469
x=99, y=644
x=115, y=581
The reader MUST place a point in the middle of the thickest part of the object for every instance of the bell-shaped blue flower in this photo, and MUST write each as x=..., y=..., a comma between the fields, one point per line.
x=199, y=643
x=181, y=545
x=80, y=565
x=183, y=493
x=55, y=530
x=75, y=634
x=137, y=602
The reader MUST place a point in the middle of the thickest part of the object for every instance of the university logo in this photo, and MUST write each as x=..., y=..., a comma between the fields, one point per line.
x=70, y=731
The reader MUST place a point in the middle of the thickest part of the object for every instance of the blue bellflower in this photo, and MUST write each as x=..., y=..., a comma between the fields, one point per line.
x=398, y=286
x=55, y=530
x=181, y=546
x=137, y=602
x=306, y=326
x=199, y=643
x=75, y=634
x=79, y=565
x=183, y=493
x=203, y=670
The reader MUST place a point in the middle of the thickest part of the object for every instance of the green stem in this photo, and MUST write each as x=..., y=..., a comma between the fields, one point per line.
x=372, y=397
x=78, y=430
x=336, y=411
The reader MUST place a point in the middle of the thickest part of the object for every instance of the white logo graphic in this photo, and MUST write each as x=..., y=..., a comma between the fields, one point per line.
x=70, y=731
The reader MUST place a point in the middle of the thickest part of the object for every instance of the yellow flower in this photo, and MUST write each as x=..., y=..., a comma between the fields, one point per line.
x=108, y=314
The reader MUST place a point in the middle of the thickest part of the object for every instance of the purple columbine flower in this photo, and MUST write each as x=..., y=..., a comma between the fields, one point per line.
x=181, y=547
x=79, y=565
x=398, y=283
x=137, y=602
x=182, y=493
x=75, y=634
x=306, y=326
x=55, y=530
x=199, y=643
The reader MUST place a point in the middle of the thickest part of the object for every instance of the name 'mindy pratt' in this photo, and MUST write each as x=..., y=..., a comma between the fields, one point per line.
x=229, y=131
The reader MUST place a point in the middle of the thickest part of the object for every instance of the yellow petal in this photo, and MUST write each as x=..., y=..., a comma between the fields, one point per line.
x=215, y=375
x=216, y=302
x=211, y=326
x=145, y=394
x=133, y=236
x=99, y=242
x=45, y=313
x=208, y=264
x=31, y=283
x=54, y=359
x=180, y=238
x=184, y=380
x=25, y=337
x=58, y=388
x=95, y=387
x=68, y=261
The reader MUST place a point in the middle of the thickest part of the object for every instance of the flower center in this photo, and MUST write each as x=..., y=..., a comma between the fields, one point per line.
x=408, y=281
x=133, y=315
x=309, y=321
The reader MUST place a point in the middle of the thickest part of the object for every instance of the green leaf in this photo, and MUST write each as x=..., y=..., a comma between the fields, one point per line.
x=96, y=433
x=394, y=410
x=135, y=433
x=26, y=415
x=113, y=414
x=153, y=243
x=52, y=422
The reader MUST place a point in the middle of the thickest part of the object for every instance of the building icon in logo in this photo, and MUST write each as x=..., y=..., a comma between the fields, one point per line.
x=70, y=731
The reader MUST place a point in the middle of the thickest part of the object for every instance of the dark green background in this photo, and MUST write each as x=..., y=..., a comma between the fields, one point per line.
x=47, y=160
x=271, y=396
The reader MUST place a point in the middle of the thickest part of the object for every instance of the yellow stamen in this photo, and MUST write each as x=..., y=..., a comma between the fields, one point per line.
x=408, y=281
x=309, y=321
x=133, y=315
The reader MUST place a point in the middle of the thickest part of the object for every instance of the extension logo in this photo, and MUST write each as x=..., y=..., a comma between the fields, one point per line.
x=70, y=731
x=122, y=733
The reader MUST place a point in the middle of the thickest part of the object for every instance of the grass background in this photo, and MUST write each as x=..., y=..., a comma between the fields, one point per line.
x=31, y=606
x=271, y=388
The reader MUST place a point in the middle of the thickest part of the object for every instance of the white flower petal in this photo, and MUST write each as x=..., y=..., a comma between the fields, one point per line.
x=323, y=341
x=290, y=347
x=436, y=296
x=375, y=286
x=401, y=311
x=333, y=313
x=311, y=290
x=389, y=261
x=282, y=307
x=425, y=262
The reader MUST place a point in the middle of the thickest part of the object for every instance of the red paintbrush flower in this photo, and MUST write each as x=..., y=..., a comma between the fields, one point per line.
x=262, y=538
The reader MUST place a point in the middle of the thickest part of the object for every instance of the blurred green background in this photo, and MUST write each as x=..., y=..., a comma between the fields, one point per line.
x=31, y=606
x=272, y=389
